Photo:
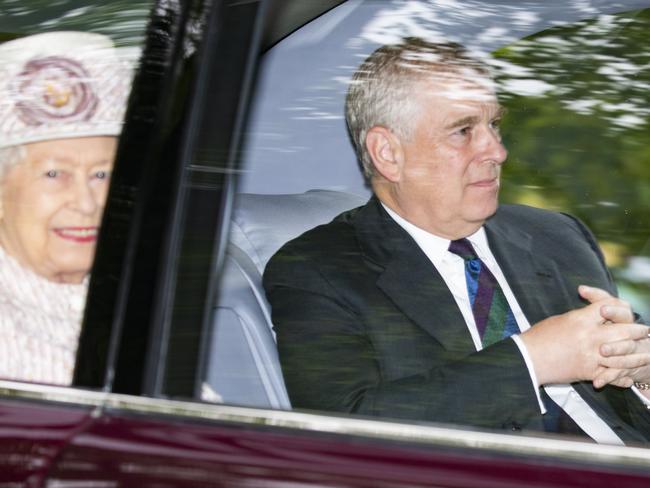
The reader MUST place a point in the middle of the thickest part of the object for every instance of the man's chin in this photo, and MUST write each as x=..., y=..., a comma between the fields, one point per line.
x=486, y=212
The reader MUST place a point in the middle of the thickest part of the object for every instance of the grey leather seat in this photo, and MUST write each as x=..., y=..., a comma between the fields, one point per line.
x=243, y=365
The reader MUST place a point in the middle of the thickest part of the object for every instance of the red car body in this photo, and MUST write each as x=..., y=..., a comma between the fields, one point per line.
x=112, y=440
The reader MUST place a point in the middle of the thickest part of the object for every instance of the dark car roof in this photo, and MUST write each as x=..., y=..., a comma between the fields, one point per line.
x=289, y=15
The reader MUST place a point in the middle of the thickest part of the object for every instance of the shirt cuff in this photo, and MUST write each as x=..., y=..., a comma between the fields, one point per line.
x=645, y=400
x=531, y=370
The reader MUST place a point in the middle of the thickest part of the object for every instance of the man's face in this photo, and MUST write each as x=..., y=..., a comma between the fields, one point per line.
x=449, y=182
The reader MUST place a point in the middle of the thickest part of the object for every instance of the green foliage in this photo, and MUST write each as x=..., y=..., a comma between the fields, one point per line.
x=123, y=20
x=577, y=131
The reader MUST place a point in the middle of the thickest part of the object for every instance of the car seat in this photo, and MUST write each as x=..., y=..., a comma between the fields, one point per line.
x=243, y=366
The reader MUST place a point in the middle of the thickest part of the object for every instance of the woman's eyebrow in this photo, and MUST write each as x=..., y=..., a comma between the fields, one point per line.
x=49, y=159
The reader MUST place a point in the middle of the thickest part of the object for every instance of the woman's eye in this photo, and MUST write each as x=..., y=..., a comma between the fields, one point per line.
x=52, y=173
x=101, y=175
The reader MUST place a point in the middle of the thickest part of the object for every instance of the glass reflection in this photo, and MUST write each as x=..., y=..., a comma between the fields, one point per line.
x=578, y=105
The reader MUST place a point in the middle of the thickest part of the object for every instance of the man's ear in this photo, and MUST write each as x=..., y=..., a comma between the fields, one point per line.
x=385, y=150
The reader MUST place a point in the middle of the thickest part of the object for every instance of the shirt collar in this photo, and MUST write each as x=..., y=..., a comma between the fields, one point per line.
x=435, y=247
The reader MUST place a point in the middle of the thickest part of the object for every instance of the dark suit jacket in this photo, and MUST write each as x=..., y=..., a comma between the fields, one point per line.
x=365, y=323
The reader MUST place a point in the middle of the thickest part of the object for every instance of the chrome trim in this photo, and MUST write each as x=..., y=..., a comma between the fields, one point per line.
x=359, y=427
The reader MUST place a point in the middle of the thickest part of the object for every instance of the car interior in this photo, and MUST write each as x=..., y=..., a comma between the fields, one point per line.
x=300, y=171
x=298, y=166
x=243, y=367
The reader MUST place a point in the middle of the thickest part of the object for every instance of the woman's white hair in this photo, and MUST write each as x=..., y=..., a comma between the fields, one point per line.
x=383, y=91
x=10, y=156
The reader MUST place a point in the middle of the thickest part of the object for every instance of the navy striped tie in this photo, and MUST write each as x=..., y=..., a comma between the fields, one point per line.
x=492, y=314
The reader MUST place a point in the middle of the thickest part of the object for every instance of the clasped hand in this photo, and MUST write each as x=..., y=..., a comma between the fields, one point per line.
x=625, y=361
x=598, y=343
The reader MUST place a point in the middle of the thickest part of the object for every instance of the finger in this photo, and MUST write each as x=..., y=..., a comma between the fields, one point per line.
x=617, y=313
x=593, y=294
x=622, y=332
x=643, y=345
x=616, y=377
x=629, y=362
x=611, y=308
x=624, y=382
x=619, y=348
x=592, y=313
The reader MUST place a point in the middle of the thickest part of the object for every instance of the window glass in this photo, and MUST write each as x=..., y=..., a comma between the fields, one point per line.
x=66, y=69
x=577, y=99
x=370, y=327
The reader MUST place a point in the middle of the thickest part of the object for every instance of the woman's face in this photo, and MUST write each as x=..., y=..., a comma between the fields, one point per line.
x=51, y=205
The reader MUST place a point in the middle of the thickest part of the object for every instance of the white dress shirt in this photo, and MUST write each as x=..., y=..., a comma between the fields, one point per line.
x=452, y=269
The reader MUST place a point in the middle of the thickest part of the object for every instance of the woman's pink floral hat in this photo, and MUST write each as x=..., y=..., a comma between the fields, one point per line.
x=62, y=84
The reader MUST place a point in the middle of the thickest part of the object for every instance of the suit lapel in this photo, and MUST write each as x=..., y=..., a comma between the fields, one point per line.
x=410, y=280
x=417, y=288
x=533, y=279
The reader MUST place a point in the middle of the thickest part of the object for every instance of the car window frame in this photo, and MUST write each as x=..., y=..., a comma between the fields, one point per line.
x=129, y=324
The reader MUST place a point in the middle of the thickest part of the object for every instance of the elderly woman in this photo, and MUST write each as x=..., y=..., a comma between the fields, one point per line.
x=62, y=100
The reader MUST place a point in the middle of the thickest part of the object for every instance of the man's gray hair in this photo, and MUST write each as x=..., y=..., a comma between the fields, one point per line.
x=382, y=90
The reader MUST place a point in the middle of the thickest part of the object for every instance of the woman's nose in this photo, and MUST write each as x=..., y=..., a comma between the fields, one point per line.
x=85, y=200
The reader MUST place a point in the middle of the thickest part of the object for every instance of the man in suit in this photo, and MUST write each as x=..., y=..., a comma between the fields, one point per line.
x=419, y=305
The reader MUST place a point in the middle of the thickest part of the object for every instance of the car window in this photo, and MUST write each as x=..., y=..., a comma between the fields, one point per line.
x=573, y=81
x=67, y=69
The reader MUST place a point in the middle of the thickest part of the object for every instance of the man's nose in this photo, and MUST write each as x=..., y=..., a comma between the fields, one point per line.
x=84, y=199
x=492, y=146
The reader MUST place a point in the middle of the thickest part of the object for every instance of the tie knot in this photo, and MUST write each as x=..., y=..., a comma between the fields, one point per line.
x=463, y=248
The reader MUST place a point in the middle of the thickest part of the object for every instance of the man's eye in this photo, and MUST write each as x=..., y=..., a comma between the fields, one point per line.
x=496, y=124
x=52, y=173
x=463, y=131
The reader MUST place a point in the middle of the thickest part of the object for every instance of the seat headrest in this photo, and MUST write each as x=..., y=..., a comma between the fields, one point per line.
x=261, y=224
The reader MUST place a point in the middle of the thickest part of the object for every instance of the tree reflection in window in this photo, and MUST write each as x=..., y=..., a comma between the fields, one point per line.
x=578, y=100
